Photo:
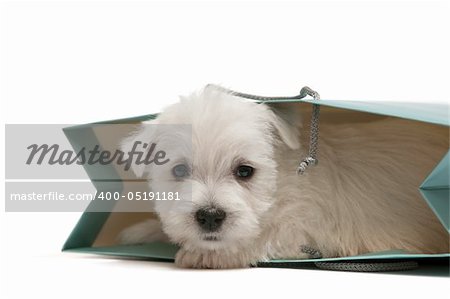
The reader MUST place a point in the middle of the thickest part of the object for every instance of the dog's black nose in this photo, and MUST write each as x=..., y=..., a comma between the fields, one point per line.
x=210, y=219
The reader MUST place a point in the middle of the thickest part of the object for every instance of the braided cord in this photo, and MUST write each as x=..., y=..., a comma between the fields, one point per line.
x=357, y=266
x=368, y=267
x=314, y=133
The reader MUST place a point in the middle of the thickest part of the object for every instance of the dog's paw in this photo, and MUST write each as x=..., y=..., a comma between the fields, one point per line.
x=143, y=232
x=209, y=260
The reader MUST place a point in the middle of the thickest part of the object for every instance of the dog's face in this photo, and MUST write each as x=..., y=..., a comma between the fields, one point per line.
x=223, y=169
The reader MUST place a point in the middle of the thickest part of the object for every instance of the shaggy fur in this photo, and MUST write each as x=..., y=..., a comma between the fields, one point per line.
x=362, y=196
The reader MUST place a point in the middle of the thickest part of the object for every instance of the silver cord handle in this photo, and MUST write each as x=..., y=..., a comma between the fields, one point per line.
x=311, y=159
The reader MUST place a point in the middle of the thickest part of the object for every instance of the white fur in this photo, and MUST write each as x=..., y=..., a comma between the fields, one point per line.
x=362, y=197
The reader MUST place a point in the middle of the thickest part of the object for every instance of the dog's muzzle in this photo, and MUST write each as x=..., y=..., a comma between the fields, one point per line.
x=210, y=219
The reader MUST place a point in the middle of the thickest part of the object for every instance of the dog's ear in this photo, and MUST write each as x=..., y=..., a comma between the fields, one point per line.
x=136, y=139
x=286, y=122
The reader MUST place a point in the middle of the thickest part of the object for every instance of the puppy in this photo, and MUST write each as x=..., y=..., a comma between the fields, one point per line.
x=247, y=203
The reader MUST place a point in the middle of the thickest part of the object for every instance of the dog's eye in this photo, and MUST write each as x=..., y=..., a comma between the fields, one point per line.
x=244, y=171
x=180, y=171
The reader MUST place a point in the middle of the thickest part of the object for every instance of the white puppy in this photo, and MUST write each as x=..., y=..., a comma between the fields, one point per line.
x=249, y=205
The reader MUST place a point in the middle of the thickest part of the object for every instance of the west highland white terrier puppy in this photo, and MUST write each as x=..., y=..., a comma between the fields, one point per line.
x=247, y=203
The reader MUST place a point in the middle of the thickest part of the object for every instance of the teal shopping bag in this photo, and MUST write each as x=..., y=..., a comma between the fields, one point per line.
x=98, y=227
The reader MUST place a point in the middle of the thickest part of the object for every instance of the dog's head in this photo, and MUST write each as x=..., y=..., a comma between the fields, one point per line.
x=223, y=169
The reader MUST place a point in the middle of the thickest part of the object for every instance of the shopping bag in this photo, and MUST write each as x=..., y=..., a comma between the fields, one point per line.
x=99, y=226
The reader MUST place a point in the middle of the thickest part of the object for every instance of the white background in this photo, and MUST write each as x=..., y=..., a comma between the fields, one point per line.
x=78, y=62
